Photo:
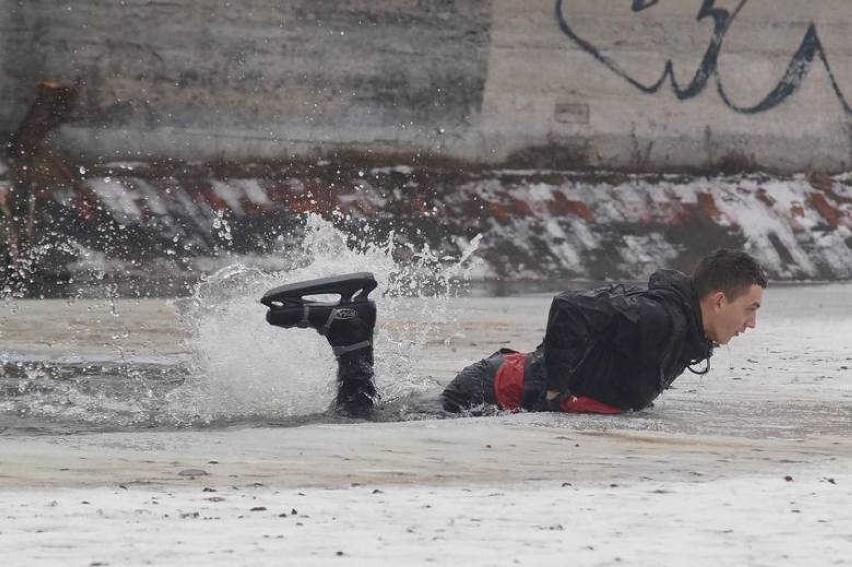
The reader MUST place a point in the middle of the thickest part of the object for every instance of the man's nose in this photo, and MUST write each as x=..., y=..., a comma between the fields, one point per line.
x=752, y=322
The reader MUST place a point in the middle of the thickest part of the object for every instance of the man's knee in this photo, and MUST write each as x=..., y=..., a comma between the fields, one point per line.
x=472, y=387
x=453, y=401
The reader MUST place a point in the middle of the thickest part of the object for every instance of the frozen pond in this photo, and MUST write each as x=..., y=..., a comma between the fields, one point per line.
x=101, y=365
x=198, y=434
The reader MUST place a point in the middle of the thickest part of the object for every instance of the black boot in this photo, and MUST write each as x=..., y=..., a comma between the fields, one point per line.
x=347, y=324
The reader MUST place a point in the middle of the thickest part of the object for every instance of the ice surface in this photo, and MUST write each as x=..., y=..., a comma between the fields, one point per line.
x=748, y=465
x=485, y=491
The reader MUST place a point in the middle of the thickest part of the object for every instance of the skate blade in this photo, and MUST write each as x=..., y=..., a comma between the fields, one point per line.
x=350, y=288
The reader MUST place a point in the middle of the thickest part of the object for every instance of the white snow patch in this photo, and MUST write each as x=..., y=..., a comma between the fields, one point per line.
x=729, y=522
x=539, y=192
x=115, y=195
x=252, y=189
x=229, y=194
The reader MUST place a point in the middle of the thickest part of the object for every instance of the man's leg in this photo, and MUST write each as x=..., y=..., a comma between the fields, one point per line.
x=351, y=339
x=347, y=324
x=473, y=387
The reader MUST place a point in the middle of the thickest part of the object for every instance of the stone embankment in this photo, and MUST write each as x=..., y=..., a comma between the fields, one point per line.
x=131, y=221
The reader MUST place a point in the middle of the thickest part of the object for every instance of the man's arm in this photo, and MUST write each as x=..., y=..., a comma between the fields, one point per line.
x=639, y=342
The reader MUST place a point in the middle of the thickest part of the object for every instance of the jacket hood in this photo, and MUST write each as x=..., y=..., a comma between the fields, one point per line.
x=675, y=289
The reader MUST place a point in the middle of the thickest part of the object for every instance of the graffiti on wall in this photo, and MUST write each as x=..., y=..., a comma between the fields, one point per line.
x=810, y=51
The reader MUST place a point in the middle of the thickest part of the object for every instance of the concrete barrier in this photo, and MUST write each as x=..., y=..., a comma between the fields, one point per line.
x=641, y=85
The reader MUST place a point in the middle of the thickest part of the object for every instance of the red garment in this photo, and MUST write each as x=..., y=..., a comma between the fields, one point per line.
x=509, y=389
x=583, y=404
x=509, y=381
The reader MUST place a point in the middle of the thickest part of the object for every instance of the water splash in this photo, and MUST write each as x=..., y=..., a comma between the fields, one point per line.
x=244, y=369
x=239, y=368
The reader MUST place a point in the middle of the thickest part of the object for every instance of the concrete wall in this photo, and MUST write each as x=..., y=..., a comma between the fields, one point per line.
x=211, y=78
x=591, y=76
x=548, y=83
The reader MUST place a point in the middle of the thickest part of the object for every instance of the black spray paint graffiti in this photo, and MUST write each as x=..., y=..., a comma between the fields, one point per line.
x=800, y=64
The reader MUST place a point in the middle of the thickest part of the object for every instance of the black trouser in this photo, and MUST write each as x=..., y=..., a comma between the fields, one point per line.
x=473, y=387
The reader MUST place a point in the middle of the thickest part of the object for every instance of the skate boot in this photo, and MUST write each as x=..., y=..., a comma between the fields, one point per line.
x=347, y=323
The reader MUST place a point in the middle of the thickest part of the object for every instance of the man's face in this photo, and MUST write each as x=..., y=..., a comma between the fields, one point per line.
x=725, y=319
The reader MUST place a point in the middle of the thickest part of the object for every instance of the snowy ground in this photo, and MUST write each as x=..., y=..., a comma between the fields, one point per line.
x=750, y=465
x=484, y=492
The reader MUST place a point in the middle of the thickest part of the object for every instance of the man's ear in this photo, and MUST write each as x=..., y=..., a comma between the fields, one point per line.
x=718, y=299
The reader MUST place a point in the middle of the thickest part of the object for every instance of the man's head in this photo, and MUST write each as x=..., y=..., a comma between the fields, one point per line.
x=730, y=288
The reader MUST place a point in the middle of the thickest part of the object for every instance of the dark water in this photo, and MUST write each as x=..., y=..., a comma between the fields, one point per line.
x=73, y=396
x=56, y=397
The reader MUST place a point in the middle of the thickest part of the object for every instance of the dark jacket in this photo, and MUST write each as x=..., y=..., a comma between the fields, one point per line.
x=620, y=345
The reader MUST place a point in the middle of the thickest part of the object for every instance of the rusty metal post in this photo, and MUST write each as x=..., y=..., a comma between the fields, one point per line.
x=34, y=168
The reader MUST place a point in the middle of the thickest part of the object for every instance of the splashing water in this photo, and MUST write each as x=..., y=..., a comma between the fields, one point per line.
x=246, y=369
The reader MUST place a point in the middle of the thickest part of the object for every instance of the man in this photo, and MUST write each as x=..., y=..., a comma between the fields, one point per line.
x=617, y=348
x=604, y=351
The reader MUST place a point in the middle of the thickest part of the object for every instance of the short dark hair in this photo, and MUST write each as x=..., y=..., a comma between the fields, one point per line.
x=729, y=271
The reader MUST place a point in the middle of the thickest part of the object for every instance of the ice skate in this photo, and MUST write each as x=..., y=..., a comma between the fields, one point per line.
x=347, y=323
